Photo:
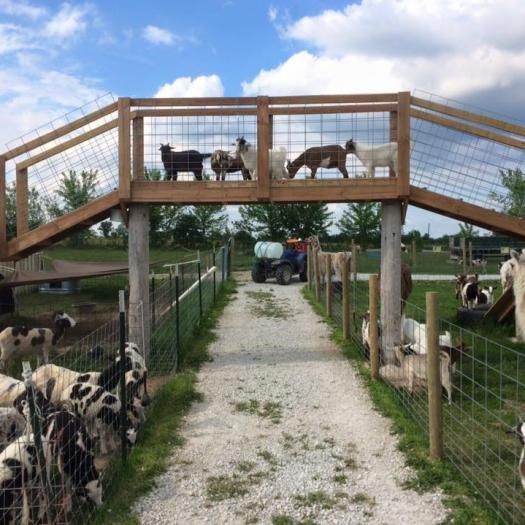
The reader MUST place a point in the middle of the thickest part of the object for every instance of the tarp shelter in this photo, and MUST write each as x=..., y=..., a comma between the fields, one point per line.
x=64, y=271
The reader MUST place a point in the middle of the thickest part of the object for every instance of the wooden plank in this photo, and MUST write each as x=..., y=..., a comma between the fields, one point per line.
x=61, y=227
x=263, y=145
x=345, y=278
x=138, y=148
x=468, y=115
x=95, y=132
x=468, y=128
x=403, y=144
x=124, y=148
x=345, y=108
x=60, y=132
x=373, y=307
x=22, y=202
x=3, y=209
x=334, y=99
x=500, y=308
x=193, y=112
x=194, y=101
x=245, y=192
x=457, y=209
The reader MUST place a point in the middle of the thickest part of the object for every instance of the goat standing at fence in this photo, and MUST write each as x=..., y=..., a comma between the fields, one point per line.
x=518, y=280
x=373, y=157
x=24, y=342
x=333, y=156
x=276, y=159
x=223, y=162
x=332, y=262
x=182, y=161
x=519, y=431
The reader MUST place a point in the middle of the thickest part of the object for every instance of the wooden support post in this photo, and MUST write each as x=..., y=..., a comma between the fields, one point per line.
x=3, y=210
x=353, y=271
x=317, y=277
x=124, y=148
x=435, y=409
x=373, y=289
x=390, y=279
x=270, y=131
x=413, y=253
x=22, y=202
x=328, y=262
x=138, y=148
x=309, y=266
x=263, y=145
x=138, y=259
x=463, y=243
x=345, y=278
x=403, y=144
x=393, y=136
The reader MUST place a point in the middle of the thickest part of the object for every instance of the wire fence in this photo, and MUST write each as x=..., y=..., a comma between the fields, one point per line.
x=487, y=389
x=67, y=424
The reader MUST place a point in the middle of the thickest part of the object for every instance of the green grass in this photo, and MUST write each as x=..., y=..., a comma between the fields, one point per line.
x=149, y=458
x=467, y=506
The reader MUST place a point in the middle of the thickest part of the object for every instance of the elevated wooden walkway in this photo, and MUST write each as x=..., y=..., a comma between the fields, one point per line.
x=130, y=122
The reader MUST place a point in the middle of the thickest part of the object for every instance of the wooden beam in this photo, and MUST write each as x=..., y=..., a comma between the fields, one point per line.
x=61, y=227
x=245, y=192
x=457, y=209
x=334, y=99
x=403, y=144
x=194, y=101
x=193, y=112
x=138, y=148
x=60, y=132
x=344, y=108
x=22, y=202
x=3, y=209
x=263, y=145
x=467, y=115
x=468, y=128
x=124, y=148
x=68, y=144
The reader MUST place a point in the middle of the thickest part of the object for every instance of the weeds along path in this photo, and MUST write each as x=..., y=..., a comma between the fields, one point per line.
x=286, y=433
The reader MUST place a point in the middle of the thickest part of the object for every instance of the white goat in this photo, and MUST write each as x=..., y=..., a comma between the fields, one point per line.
x=506, y=270
x=519, y=298
x=277, y=159
x=373, y=157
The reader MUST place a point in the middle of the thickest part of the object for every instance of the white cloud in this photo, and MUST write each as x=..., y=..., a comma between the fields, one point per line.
x=273, y=12
x=18, y=8
x=14, y=38
x=157, y=35
x=203, y=86
x=69, y=22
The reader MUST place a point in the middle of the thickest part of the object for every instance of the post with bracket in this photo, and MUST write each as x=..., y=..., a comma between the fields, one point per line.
x=263, y=146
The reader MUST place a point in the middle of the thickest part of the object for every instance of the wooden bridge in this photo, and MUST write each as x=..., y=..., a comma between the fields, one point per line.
x=449, y=159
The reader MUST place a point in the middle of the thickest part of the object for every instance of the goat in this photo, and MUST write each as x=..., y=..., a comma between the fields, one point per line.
x=373, y=157
x=223, y=162
x=406, y=284
x=486, y=295
x=481, y=263
x=182, y=161
x=507, y=269
x=328, y=261
x=12, y=426
x=277, y=159
x=519, y=431
x=26, y=342
x=414, y=368
x=365, y=333
x=518, y=285
x=333, y=156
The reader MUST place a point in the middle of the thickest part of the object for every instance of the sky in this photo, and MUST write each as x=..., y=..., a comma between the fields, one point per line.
x=55, y=56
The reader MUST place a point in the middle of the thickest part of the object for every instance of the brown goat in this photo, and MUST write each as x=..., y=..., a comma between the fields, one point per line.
x=223, y=162
x=333, y=156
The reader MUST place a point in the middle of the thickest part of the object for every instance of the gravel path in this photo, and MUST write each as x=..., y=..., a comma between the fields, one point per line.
x=286, y=429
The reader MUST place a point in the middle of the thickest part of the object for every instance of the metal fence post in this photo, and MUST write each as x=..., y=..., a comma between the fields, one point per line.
x=214, y=277
x=222, y=259
x=200, y=290
x=435, y=408
x=328, y=262
x=346, y=299
x=177, y=316
x=373, y=288
x=122, y=353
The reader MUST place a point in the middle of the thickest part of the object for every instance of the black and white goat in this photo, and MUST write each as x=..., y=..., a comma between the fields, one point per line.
x=12, y=425
x=26, y=342
x=223, y=162
x=373, y=157
x=182, y=161
x=519, y=431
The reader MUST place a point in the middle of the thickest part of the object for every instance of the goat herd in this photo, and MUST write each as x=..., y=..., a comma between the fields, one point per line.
x=244, y=159
x=79, y=415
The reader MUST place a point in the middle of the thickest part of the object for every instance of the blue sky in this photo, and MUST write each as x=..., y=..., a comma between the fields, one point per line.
x=55, y=56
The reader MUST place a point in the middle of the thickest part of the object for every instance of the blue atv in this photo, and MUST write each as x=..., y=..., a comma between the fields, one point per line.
x=274, y=261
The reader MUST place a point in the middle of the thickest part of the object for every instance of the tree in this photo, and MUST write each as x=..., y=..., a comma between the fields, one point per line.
x=280, y=221
x=211, y=221
x=36, y=214
x=361, y=221
x=513, y=200
x=105, y=229
x=467, y=231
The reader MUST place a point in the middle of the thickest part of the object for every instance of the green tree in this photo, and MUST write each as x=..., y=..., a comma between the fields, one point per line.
x=74, y=190
x=467, y=230
x=211, y=221
x=512, y=200
x=36, y=213
x=105, y=228
x=361, y=221
x=280, y=221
